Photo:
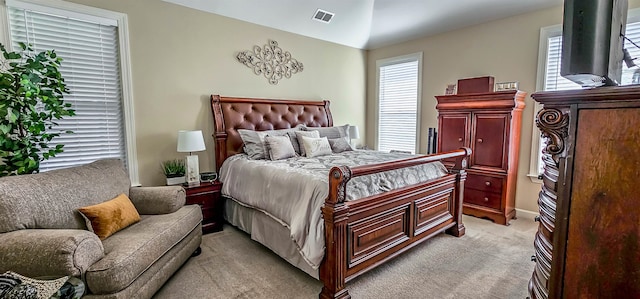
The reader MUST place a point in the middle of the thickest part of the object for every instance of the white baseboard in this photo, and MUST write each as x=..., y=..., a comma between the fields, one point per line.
x=520, y=213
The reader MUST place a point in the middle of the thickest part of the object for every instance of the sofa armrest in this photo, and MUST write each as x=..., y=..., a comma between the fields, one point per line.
x=49, y=252
x=157, y=200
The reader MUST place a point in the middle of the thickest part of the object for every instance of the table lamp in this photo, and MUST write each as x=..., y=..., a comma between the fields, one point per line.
x=354, y=133
x=191, y=141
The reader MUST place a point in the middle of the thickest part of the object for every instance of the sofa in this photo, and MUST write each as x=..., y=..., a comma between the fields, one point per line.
x=43, y=234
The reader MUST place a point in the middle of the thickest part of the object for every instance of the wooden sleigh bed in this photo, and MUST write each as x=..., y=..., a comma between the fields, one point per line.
x=364, y=233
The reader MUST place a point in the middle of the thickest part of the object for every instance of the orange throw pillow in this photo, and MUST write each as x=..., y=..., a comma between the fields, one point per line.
x=111, y=216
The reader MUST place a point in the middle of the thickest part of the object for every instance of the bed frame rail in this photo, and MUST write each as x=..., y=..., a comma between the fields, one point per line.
x=364, y=233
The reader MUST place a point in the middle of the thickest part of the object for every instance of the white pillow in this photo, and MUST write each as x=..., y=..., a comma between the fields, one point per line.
x=299, y=134
x=316, y=146
x=279, y=147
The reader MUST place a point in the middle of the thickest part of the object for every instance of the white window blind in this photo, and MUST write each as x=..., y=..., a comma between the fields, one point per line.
x=91, y=69
x=554, y=81
x=397, y=106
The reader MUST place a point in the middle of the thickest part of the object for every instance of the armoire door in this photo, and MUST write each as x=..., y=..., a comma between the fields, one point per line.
x=489, y=135
x=453, y=131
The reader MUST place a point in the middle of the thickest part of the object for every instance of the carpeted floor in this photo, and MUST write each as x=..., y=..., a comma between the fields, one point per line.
x=490, y=261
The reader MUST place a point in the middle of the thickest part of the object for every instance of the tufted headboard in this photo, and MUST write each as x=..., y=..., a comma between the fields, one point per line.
x=231, y=114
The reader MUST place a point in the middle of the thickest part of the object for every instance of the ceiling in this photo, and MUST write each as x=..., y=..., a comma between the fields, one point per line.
x=368, y=24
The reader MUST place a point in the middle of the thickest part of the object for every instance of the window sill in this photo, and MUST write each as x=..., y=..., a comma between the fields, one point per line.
x=534, y=178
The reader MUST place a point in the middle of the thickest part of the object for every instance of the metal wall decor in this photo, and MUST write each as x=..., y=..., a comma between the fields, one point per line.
x=270, y=61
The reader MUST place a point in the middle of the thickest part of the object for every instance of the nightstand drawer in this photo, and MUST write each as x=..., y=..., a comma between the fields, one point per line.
x=482, y=198
x=200, y=199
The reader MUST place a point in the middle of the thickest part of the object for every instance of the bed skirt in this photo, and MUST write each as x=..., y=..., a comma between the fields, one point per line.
x=268, y=232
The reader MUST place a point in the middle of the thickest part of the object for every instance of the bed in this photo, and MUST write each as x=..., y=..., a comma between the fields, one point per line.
x=359, y=234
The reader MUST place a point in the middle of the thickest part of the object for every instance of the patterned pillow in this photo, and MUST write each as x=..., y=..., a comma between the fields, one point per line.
x=340, y=145
x=300, y=149
x=280, y=147
x=28, y=287
x=331, y=132
x=316, y=146
x=254, y=144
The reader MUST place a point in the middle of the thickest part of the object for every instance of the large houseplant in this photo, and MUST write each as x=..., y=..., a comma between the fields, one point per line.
x=31, y=100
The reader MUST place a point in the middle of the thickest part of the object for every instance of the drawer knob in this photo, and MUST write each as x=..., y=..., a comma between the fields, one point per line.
x=459, y=139
x=486, y=199
x=480, y=140
x=487, y=183
x=533, y=258
x=536, y=219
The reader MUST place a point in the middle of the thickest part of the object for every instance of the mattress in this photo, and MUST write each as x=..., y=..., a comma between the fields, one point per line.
x=292, y=191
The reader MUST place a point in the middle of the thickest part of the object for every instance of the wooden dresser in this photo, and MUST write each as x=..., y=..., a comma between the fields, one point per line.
x=588, y=240
x=488, y=123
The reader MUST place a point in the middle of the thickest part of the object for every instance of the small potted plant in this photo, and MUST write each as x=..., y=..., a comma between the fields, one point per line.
x=174, y=171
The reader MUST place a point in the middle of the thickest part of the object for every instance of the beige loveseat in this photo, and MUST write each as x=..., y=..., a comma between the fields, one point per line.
x=42, y=234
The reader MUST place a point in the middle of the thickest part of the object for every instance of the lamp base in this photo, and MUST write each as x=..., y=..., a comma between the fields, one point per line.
x=193, y=170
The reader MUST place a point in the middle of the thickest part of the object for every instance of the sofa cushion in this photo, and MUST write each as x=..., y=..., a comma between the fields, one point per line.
x=51, y=199
x=129, y=252
x=110, y=216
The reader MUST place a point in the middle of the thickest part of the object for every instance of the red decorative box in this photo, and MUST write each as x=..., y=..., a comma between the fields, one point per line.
x=475, y=85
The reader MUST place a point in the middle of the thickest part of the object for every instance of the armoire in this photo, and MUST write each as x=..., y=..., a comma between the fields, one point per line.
x=588, y=240
x=489, y=123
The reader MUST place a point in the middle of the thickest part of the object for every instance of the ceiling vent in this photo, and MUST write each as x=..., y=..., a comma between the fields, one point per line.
x=323, y=16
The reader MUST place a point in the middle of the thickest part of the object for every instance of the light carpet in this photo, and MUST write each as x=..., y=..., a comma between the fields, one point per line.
x=490, y=261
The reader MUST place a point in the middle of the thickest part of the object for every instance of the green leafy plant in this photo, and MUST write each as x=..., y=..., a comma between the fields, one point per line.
x=31, y=100
x=173, y=168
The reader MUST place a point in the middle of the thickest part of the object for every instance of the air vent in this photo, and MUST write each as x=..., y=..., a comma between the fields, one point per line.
x=323, y=16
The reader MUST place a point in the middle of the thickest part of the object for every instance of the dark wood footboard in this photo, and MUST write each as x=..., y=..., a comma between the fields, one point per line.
x=364, y=233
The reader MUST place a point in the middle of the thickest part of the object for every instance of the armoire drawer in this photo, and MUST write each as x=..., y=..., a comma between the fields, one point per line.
x=482, y=198
x=484, y=183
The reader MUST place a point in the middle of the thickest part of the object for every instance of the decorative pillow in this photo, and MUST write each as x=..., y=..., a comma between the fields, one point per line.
x=25, y=287
x=254, y=144
x=340, y=145
x=111, y=216
x=316, y=146
x=280, y=147
x=299, y=134
x=331, y=132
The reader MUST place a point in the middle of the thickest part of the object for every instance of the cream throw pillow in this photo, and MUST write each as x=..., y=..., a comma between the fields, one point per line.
x=299, y=134
x=316, y=146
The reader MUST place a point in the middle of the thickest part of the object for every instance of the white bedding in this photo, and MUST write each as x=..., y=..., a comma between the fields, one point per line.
x=292, y=191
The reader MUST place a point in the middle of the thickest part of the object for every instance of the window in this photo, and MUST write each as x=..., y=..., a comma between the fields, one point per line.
x=398, y=105
x=93, y=44
x=549, y=74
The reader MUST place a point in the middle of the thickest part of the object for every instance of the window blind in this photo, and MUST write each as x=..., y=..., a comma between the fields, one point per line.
x=554, y=81
x=397, y=106
x=91, y=69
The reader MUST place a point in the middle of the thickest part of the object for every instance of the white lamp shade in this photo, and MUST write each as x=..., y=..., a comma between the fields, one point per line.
x=190, y=141
x=354, y=133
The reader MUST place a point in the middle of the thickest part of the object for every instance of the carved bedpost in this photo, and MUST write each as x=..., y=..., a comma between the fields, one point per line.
x=333, y=270
x=458, y=193
x=220, y=134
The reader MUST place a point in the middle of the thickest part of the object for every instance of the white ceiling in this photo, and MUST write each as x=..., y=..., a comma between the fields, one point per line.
x=368, y=24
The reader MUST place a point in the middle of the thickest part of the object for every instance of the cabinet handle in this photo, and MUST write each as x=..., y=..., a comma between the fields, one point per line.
x=536, y=219
x=487, y=183
x=486, y=199
x=533, y=258
x=479, y=140
x=459, y=139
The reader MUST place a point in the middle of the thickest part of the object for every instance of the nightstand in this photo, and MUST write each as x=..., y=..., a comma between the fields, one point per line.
x=207, y=195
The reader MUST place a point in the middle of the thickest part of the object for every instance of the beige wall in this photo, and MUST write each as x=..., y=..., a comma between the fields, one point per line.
x=506, y=49
x=181, y=56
